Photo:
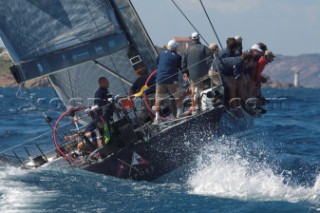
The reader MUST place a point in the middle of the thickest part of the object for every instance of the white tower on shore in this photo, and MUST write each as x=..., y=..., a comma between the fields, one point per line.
x=296, y=79
x=295, y=76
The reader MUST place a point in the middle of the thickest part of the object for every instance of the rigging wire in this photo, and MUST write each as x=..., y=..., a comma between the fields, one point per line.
x=214, y=31
x=189, y=21
x=82, y=117
x=72, y=93
x=122, y=83
x=94, y=21
x=44, y=134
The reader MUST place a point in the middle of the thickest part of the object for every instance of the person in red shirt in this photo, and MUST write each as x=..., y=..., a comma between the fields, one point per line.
x=263, y=61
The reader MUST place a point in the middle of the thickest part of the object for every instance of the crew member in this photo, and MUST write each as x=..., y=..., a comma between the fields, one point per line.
x=195, y=65
x=136, y=87
x=231, y=70
x=169, y=64
x=96, y=124
x=101, y=99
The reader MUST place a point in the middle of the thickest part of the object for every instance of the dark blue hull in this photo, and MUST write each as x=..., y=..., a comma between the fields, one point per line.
x=168, y=150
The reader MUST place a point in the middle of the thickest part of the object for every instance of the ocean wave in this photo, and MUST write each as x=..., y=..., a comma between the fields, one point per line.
x=228, y=173
x=9, y=133
x=18, y=196
x=26, y=108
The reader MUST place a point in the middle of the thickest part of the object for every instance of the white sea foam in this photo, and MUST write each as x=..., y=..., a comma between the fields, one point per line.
x=17, y=196
x=224, y=173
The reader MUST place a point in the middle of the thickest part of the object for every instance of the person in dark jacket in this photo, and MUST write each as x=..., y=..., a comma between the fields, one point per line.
x=101, y=98
x=233, y=49
x=169, y=65
x=142, y=77
x=138, y=85
x=238, y=39
x=231, y=70
x=195, y=64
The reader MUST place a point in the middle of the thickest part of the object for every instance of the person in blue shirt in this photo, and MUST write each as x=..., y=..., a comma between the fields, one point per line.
x=169, y=65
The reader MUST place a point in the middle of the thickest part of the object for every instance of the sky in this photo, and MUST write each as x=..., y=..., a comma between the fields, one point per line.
x=288, y=27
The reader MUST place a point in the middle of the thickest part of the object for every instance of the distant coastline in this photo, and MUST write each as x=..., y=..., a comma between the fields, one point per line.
x=279, y=73
x=7, y=80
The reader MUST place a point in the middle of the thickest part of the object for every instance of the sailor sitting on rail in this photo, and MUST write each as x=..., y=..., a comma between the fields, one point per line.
x=231, y=70
x=96, y=126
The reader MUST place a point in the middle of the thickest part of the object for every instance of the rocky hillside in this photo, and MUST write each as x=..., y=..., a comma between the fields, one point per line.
x=7, y=80
x=282, y=68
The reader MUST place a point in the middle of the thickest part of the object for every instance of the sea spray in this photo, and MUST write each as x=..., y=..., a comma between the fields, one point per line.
x=226, y=170
x=18, y=196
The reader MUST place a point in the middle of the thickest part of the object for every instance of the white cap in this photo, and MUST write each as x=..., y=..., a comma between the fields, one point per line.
x=195, y=35
x=256, y=47
x=238, y=38
x=172, y=45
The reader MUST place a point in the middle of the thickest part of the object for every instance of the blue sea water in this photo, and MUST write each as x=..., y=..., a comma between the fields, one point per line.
x=274, y=167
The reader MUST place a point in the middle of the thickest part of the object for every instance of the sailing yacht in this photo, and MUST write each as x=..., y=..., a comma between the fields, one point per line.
x=75, y=43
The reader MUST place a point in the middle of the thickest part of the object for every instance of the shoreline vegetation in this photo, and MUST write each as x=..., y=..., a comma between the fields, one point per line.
x=281, y=69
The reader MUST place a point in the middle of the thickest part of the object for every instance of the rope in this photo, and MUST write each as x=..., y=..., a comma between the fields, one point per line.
x=182, y=70
x=148, y=106
x=77, y=109
x=94, y=21
x=189, y=21
x=19, y=92
x=72, y=93
x=214, y=31
x=39, y=136
x=152, y=74
x=125, y=91
x=55, y=130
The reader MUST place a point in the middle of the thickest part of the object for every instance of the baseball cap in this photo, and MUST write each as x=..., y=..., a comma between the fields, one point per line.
x=172, y=44
x=256, y=47
x=195, y=35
